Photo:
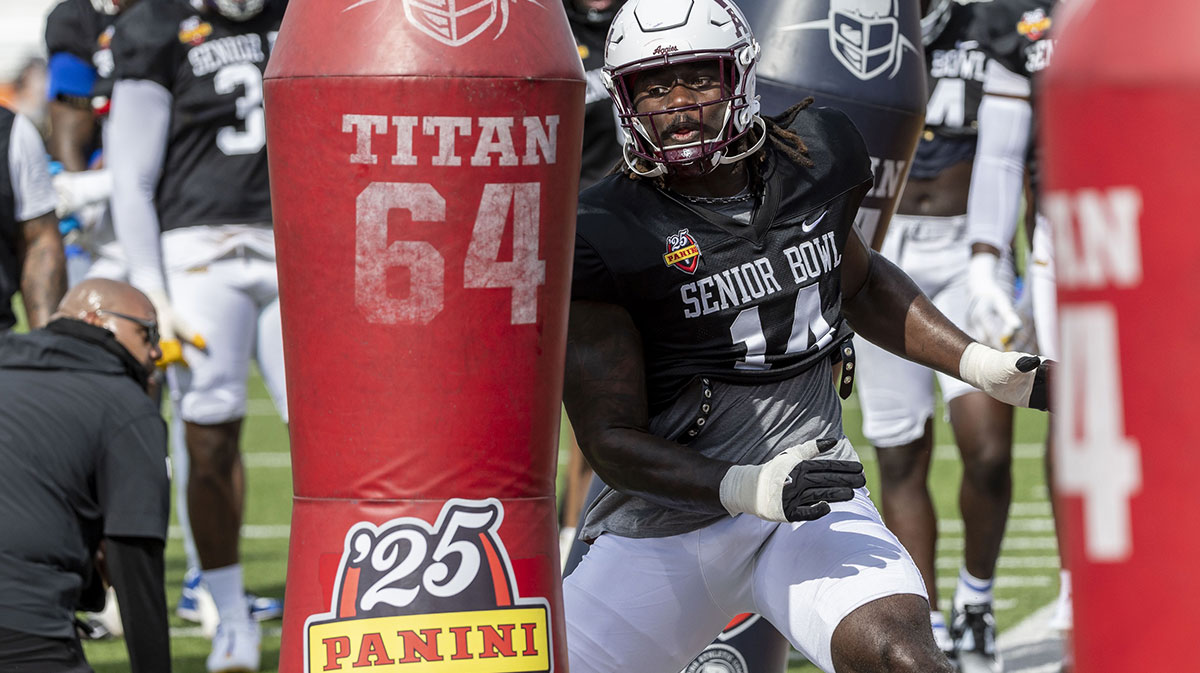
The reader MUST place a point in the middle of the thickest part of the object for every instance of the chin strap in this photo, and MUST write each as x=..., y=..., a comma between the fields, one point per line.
x=762, y=138
x=717, y=158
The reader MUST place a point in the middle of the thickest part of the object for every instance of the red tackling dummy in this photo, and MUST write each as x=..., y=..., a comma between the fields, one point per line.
x=424, y=171
x=1121, y=201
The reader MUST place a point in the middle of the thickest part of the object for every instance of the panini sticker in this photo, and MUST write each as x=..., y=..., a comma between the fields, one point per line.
x=1034, y=24
x=193, y=31
x=683, y=252
x=438, y=598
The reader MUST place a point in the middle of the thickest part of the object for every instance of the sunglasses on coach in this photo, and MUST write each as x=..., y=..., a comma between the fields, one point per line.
x=150, y=326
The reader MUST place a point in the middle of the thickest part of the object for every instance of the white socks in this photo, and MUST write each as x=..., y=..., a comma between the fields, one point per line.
x=228, y=593
x=971, y=590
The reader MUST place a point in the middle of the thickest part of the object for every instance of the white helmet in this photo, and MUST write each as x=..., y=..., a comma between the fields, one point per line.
x=237, y=10
x=107, y=6
x=648, y=34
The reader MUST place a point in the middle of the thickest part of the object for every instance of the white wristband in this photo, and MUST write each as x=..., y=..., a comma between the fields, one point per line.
x=758, y=489
x=996, y=373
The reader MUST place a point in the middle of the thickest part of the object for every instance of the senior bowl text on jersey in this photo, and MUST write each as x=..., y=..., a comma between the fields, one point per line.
x=443, y=597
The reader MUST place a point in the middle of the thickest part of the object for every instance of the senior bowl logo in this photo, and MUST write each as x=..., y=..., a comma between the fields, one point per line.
x=683, y=252
x=457, y=22
x=438, y=598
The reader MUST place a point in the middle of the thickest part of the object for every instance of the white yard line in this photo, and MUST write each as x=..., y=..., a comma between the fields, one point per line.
x=249, y=531
x=1031, y=646
x=276, y=459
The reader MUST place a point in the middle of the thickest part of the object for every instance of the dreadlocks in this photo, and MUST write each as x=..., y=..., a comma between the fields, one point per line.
x=778, y=135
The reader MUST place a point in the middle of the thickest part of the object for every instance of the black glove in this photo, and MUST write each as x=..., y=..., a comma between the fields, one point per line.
x=1039, y=397
x=813, y=484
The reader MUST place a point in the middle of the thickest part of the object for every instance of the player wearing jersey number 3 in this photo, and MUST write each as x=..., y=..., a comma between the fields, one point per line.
x=713, y=281
x=186, y=144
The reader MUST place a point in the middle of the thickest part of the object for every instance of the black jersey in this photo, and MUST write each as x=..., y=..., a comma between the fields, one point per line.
x=215, y=171
x=10, y=230
x=956, y=63
x=75, y=27
x=1018, y=34
x=715, y=298
x=601, y=150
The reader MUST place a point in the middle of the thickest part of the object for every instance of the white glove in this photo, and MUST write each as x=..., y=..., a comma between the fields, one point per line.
x=172, y=330
x=791, y=486
x=1019, y=379
x=990, y=315
x=81, y=188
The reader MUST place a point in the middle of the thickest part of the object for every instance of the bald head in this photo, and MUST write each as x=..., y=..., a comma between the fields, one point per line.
x=119, y=308
x=100, y=293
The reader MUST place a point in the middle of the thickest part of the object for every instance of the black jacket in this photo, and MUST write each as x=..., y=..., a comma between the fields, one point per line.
x=82, y=457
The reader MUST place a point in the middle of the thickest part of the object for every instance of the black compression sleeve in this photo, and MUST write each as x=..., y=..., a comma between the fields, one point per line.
x=135, y=568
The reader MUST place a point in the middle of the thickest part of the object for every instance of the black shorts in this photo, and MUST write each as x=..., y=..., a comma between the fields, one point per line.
x=29, y=653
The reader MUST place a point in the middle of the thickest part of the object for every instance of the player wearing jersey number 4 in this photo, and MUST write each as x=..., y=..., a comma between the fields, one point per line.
x=713, y=281
x=192, y=211
x=925, y=240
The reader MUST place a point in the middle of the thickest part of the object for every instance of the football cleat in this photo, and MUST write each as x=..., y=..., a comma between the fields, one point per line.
x=263, y=608
x=974, y=633
x=945, y=643
x=196, y=605
x=237, y=648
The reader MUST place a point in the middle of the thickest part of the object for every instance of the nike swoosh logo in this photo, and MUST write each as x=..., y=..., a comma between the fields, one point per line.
x=809, y=226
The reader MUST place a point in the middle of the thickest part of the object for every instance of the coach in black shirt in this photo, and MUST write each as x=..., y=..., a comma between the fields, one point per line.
x=82, y=460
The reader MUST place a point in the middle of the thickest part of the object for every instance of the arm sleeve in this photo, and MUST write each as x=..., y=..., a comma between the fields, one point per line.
x=998, y=176
x=135, y=567
x=135, y=142
x=32, y=189
x=131, y=479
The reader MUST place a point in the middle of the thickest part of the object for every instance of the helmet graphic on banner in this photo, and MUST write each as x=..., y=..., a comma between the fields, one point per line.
x=865, y=35
x=651, y=34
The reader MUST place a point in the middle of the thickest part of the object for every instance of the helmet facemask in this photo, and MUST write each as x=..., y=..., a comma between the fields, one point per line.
x=721, y=121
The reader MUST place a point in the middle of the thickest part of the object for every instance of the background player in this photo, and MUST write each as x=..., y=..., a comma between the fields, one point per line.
x=926, y=241
x=1019, y=36
x=698, y=380
x=191, y=206
x=589, y=21
x=31, y=252
x=78, y=37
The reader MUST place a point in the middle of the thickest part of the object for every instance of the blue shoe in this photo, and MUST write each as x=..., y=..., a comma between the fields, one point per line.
x=189, y=598
x=263, y=609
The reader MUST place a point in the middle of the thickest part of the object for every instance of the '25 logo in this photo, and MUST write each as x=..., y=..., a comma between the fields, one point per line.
x=407, y=566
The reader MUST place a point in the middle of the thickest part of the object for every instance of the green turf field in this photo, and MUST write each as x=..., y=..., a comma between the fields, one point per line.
x=1027, y=576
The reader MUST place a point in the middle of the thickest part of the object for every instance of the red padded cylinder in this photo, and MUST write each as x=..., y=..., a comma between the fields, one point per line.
x=424, y=170
x=1119, y=127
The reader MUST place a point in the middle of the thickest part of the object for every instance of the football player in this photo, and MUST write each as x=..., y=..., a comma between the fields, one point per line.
x=713, y=282
x=191, y=207
x=589, y=21
x=1019, y=36
x=926, y=241
x=31, y=252
x=78, y=36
